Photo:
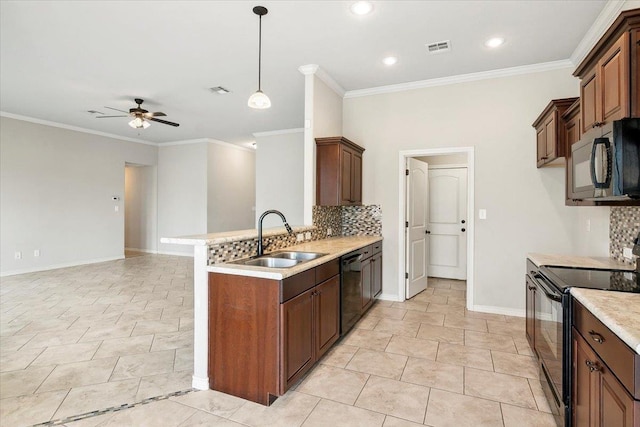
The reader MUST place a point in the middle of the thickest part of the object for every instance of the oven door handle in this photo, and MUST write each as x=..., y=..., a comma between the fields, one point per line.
x=551, y=295
x=353, y=259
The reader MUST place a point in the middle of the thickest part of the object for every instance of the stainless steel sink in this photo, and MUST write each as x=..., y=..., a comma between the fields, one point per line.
x=281, y=259
x=298, y=256
x=266, y=261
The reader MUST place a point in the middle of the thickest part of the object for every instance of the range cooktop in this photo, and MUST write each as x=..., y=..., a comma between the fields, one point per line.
x=606, y=280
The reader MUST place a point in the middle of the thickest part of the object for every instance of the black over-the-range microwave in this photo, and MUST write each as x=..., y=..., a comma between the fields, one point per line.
x=608, y=167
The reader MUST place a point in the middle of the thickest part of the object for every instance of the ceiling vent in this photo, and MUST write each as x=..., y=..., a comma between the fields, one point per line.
x=439, y=47
x=219, y=90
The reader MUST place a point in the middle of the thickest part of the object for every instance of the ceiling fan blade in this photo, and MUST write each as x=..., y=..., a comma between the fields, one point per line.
x=108, y=117
x=122, y=111
x=156, y=114
x=163, y=122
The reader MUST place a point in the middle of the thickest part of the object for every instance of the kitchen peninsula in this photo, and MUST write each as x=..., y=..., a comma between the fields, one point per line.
x=213, y=253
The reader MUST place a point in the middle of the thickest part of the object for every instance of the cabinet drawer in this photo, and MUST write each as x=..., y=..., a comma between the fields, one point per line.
x=621, y=360
x=295, y=285
x=327, y=270
x=377, y=247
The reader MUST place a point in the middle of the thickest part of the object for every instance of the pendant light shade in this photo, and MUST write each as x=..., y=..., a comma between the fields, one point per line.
x=259, y=99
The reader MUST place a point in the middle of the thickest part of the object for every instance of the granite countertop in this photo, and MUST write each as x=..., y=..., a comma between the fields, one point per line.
x=619, y=311
x=578, y=261
x=231, y=236
x=334, y=247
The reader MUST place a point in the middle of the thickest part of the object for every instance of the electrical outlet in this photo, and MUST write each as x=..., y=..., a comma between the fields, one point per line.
x=36, y=252
x=588, y=225
x=329, y=231
x=17, y=255
x=116, y=208
x=627, y=253
x=307, y=235
x=299, y=237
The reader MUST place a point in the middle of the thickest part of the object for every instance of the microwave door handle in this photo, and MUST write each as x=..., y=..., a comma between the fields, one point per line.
x=605, y=162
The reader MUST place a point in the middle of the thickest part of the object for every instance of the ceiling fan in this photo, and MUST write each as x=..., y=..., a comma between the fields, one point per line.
x=141, y=117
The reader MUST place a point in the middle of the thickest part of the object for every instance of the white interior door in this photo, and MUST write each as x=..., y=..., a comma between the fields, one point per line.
x=448, y=223
x=417, y=220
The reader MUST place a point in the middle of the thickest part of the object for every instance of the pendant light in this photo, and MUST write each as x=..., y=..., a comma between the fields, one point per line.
x=259, y=100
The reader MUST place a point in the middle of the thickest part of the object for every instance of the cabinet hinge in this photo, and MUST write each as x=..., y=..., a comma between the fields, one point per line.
x=406, y=275
x=406, y=172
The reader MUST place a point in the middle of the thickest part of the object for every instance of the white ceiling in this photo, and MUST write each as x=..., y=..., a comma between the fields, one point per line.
x=62, y=58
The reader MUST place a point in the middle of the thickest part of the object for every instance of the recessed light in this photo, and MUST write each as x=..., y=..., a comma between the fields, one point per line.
x=390, y=60
x=494, y=42
x=361, y=7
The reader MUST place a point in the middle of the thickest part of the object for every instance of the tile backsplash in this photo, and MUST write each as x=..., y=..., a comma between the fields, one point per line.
x=624, y=225
x=339, y=220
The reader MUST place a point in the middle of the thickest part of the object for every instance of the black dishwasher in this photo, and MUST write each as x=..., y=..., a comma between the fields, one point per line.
x=351, y=289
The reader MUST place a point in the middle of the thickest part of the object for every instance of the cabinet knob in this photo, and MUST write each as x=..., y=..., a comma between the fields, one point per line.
x=597, y=124
x=596, y=337
x=593, y=366
x=544, y=158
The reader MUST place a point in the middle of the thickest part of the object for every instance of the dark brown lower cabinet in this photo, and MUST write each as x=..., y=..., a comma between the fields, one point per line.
x=606, y=375
x=367, y=296
x=297, y=336
x=530, y=322
x=376, y=274
x=265, y=334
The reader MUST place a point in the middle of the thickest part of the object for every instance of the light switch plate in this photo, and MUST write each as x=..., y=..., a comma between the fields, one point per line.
x=307, y=235
x=627, y=253
x=299, y=237
x=482, y=214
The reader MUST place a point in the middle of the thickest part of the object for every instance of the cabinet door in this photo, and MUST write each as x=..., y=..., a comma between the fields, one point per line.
x=297, y=337
x=551, y=138
x=327, y=314
x=589, y=101
x=615, y=404
x=541, y=145
x=356, y=179
x=635, y=73
x=366, y=284
x=571, y=136
x=376, y=273
x=346, y=159
x=530, y=292
x=613, y=70
x=585, y=399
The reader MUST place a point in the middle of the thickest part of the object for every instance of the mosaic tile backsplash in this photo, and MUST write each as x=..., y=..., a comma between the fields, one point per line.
x=624, y=225
x=340, y=220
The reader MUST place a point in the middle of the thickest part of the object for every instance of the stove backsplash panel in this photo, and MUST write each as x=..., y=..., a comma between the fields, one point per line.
x=624, y=226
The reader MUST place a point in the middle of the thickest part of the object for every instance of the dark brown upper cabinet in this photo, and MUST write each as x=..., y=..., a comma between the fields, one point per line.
x=550, y=134
x=610, y=75
x=338, y=172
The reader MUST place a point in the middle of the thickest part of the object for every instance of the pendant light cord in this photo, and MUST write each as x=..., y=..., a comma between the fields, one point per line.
x=259, y=53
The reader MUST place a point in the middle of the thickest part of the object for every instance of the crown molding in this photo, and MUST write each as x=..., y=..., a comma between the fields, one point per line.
x=462, y=78
x=277, y=132
x=74, y=128
x=604, y=20
x=324, y=76
x=204, y=141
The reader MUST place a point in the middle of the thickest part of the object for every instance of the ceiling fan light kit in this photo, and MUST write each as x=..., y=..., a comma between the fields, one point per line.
x=141, y=117
x=139, y=123
x=259, y=99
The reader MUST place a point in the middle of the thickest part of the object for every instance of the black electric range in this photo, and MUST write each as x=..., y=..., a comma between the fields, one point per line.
x=565, y=278
x=553, y=318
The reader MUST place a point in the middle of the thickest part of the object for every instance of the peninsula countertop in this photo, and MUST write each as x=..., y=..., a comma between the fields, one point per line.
x=333, y=247
x=618, y=311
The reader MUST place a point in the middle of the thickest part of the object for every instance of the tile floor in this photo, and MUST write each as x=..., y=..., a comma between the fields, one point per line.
x=99, y=336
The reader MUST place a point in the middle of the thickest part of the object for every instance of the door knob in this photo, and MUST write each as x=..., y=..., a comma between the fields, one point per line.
x=463, y=221
x=427, y=232
x=464, y=229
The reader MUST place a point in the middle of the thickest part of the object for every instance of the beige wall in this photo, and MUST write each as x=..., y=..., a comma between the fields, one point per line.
x=231, y=187
x=525, y=205
x=56, y=189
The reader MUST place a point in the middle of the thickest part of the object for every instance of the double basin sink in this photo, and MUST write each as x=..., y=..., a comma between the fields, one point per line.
x=280, y=259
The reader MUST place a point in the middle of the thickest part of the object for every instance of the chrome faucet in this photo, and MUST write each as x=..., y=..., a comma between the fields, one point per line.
x=284, y=220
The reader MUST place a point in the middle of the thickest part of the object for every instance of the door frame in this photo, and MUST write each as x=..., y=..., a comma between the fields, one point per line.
x=402, y=196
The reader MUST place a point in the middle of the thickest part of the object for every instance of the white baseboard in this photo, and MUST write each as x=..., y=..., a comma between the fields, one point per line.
x=200, y=383
x=57, y=266
x=174, y=253
x=499, y=310
x=388, y=297
x=148, y=251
